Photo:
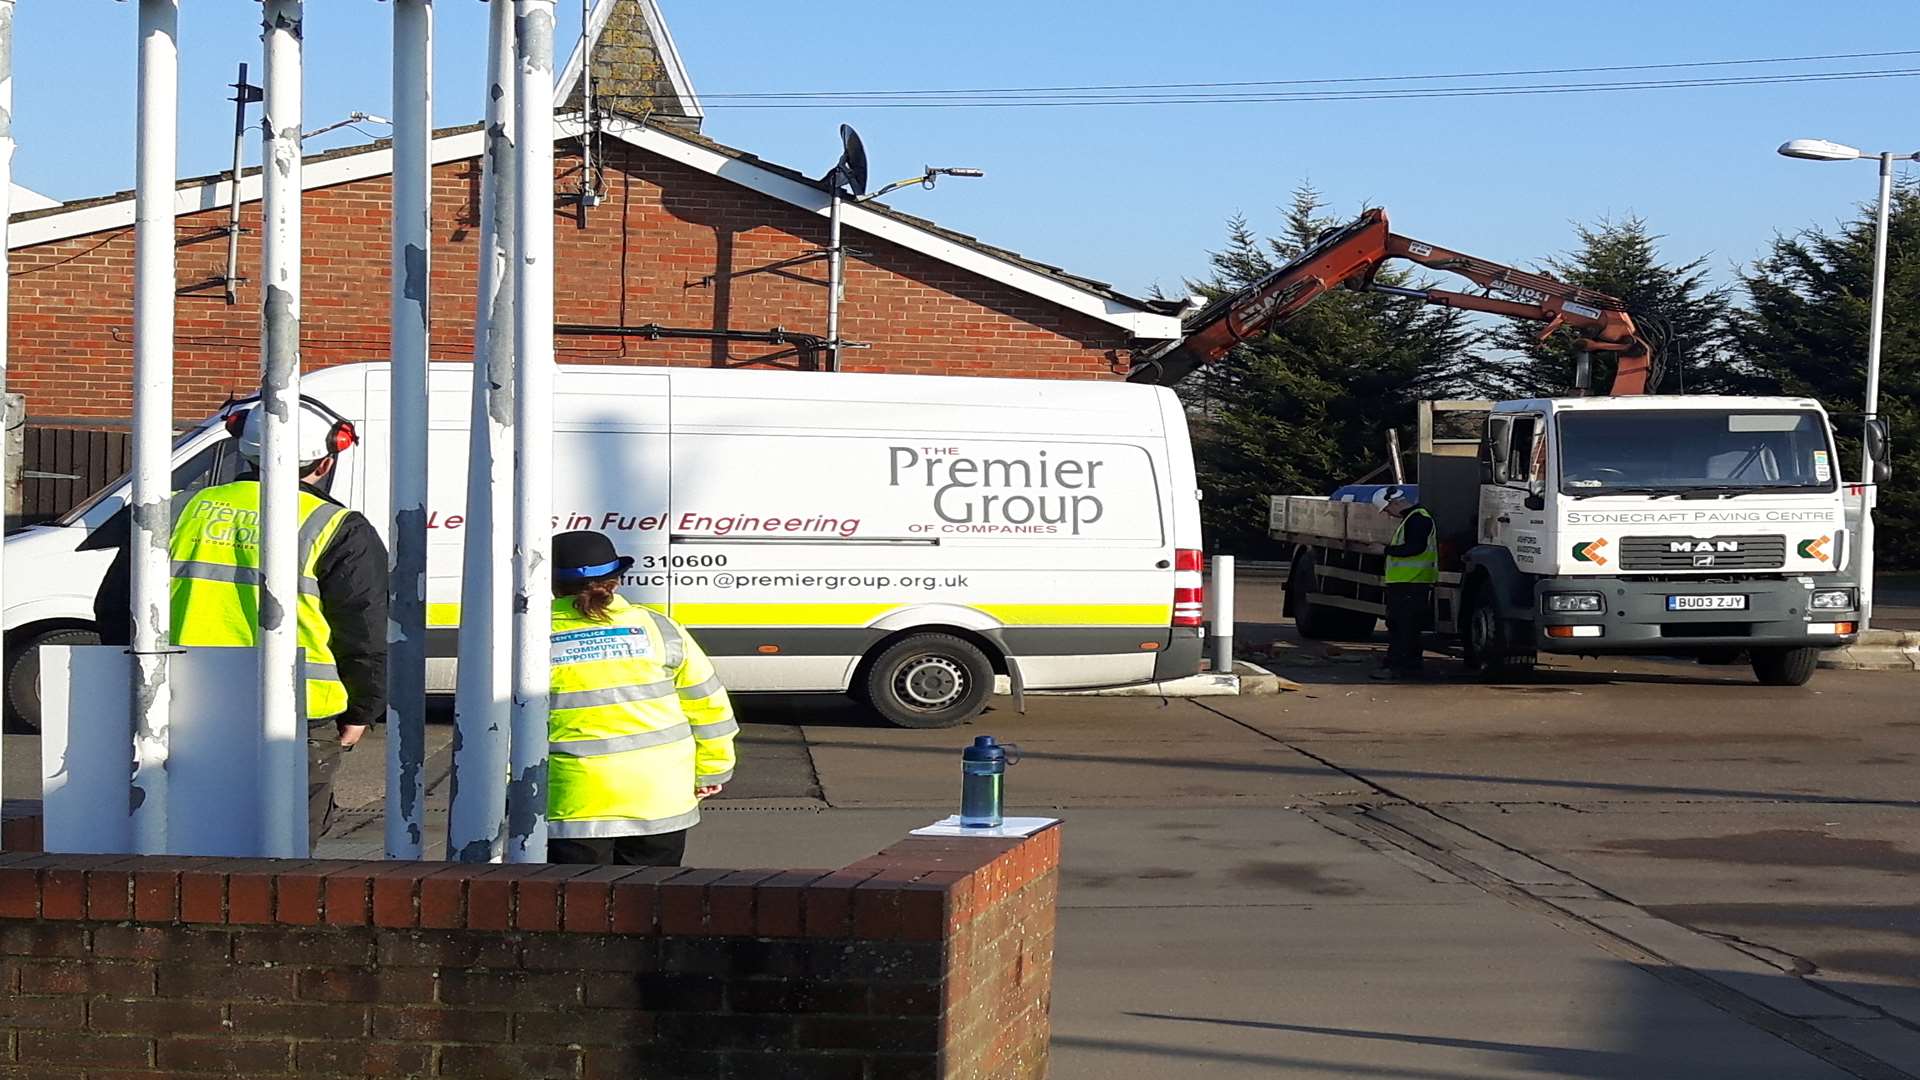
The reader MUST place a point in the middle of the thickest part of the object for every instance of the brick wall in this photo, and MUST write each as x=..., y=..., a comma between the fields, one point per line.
x=671, y=245
x=932, y=959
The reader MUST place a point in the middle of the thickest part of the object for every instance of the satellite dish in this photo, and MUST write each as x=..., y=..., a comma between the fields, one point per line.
x=849, y=174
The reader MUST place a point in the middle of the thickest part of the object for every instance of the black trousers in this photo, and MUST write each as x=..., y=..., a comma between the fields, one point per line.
x=661, y=849
x=323, y=761
x=1407, y=610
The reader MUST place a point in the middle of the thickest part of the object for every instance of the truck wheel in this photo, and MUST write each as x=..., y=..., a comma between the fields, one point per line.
x=1488, y=642
x=1355, y=626
x=928, y=681
x=1314, y=622
x=23, y=675
x=1785, y=667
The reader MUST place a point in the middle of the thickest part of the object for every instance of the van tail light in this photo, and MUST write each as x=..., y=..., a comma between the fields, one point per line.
x=1189, y=589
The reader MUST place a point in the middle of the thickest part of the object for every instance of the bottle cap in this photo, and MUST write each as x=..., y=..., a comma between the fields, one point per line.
x=984, y=749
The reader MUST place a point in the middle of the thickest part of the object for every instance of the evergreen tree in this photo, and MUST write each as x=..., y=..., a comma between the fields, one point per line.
x=1676, y=310
x=1805, y=332
x=1306, y=406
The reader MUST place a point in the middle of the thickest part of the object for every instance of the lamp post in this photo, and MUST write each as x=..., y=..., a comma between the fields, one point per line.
x=1824, y=150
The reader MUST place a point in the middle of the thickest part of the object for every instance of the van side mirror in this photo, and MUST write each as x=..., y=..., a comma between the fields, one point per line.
x=1880, y=449
x=1536, y=501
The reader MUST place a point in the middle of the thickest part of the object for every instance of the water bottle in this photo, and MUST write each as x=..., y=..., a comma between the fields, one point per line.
x=983, y=769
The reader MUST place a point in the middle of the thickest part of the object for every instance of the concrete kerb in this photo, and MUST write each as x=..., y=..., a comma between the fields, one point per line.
x=1877, y=650
x=1247, y=680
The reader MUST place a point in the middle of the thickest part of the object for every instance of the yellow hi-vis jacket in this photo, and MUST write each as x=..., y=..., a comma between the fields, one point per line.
x=637, y=720
x=1420, y=569
x=215, y=591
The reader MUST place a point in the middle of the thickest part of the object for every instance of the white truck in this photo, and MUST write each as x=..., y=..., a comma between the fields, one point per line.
x=1692, y=526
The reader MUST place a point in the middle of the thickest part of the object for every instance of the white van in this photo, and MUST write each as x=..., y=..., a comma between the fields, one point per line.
x=904, y=538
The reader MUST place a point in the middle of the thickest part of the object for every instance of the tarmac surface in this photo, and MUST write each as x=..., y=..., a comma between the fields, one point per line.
x=1608, y=870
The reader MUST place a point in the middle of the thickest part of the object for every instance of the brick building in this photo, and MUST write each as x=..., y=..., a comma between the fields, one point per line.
x=684, y=233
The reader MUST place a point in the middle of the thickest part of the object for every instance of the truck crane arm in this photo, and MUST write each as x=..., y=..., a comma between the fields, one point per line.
x=1353, y=254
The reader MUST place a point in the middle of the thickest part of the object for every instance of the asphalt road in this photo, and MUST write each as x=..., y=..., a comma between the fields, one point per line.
x=1607, y=870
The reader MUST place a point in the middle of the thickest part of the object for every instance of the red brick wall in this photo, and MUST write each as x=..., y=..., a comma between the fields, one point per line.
x=929, y=961
x=671, y=245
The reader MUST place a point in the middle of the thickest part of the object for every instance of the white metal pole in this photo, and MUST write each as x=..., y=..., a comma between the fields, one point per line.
x=836, y=272
x=152, y=515
x=476, y=822
x=283, y=828
x=1869, y=489
x=1220, y=590
x=533, y=428
x=6, y=214
x=411, y=289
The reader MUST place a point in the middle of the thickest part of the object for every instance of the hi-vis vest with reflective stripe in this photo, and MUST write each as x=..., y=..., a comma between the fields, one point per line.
x=637, y=719
x=1421, y=569
x=217, y=579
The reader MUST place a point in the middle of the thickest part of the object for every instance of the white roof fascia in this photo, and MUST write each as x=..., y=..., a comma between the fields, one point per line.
x=670, y=61
x=1141, y=324
x=216, y=194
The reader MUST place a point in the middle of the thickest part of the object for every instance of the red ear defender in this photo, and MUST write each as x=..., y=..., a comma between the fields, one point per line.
x=343, y=436
x=236, y=422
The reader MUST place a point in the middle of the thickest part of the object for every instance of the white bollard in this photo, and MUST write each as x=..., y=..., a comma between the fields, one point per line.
x=1220, y=595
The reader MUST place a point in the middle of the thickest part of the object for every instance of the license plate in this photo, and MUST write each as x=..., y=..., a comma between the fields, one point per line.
x=1715, y=602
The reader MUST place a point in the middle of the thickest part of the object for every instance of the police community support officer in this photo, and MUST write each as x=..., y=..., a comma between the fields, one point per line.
x=639, y=728
x=1413, y=565
x=341, y=614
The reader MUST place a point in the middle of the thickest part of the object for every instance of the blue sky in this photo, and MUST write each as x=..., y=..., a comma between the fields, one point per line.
x=1133, y=195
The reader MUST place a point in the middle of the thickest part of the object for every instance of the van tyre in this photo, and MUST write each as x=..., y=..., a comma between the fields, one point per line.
x=1785, y=667
x=23, y=675
x=1490, y=645
x=928, y=681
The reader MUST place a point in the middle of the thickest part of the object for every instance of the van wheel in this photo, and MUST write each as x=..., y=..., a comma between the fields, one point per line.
x=1785, y=667
x=928, y=681
x=23, y=675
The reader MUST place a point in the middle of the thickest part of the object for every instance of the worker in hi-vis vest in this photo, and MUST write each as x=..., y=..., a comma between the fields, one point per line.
x=639, y=729
x=340, y=613
x=1413, y=565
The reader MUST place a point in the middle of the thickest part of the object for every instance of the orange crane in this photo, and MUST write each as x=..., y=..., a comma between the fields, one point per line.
x=1353, y=254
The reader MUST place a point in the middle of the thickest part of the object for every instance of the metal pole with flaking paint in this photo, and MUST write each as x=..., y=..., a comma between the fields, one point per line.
x=412, y=266
x=476, y=821
x=6, y=210
x=152, y=514
x=283, y=744
x=532, y=428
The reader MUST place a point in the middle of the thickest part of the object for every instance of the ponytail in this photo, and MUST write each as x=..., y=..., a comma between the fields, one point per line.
x=592, y=598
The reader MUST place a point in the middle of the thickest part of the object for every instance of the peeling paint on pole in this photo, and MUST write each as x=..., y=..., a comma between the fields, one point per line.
x=283, y=748
x=150, y=701
x=411, y=319
x=476, y=822
x=533, y=426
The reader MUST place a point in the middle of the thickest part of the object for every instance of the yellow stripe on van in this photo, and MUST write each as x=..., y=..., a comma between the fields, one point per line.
x=448, y=615
x=865, y=614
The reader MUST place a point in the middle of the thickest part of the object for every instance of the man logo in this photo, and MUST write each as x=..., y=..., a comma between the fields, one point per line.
x=1681, y=547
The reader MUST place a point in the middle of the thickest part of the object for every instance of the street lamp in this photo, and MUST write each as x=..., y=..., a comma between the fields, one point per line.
x=847, y=183
x=1825, y=150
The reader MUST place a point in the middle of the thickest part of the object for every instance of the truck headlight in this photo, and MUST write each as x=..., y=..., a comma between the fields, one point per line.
x=1833, y=600
x=1575, y=602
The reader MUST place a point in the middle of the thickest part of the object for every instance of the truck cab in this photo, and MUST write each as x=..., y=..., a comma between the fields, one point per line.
x=1693, y=525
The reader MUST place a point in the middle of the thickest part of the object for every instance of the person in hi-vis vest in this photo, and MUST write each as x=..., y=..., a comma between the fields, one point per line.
x=340, y=613
x=639, y=729
x=1413, y=565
